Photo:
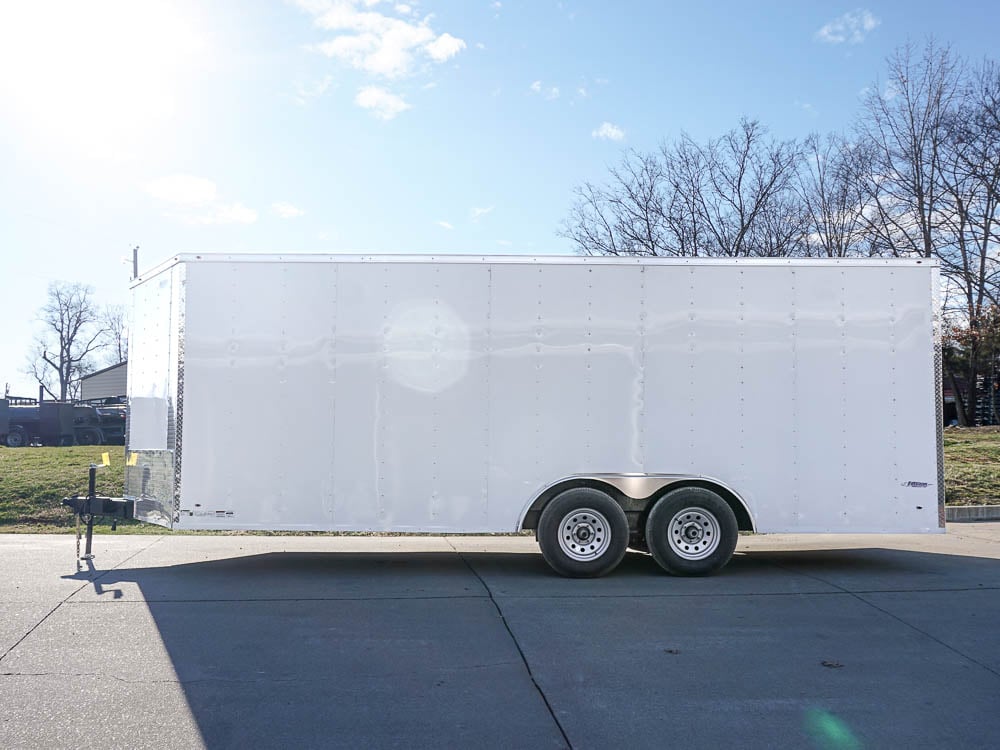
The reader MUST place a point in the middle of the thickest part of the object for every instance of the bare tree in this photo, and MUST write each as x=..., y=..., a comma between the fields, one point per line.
x=71, y=335
x=748, y=186
x=686, y=168
x=625, y=218
x=591, y=223
x=903, y=129
x=731, y=196
x=970, y=250
x=115, y=324
x=833, y=208
x=961, y=343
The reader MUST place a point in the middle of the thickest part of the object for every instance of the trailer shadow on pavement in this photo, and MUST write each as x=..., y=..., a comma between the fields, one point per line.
x=472, y=645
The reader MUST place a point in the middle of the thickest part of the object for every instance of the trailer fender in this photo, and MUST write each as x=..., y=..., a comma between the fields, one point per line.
x=636, y=493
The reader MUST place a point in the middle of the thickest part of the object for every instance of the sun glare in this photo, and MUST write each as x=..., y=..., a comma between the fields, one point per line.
x=99, y=79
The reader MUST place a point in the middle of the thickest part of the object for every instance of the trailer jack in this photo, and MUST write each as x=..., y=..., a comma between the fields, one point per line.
x=87, y=508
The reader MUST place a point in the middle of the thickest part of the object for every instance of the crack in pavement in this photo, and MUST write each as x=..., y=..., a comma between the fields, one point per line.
x=736, y=594
x=253, y=600
x=517, y=645
x=966, y=534
x=897, y=618
x=257, y=680
x=81, y=587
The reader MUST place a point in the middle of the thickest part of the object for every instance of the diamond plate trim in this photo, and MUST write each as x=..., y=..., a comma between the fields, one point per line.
x=938, y=390
x=179, y=409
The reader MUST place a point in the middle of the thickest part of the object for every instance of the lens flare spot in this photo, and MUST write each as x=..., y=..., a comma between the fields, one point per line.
x=829, y=732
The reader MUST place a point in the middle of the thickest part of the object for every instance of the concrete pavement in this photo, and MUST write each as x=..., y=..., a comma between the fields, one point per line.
x=212, y=641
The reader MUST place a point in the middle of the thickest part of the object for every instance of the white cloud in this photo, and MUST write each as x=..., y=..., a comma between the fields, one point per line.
x=852, y=27
x=304, y=92
x=183, y=189
x=806, y=107
x=477, y=213
x=480, y=45
x=233, y=213
x=444, y=47
x=608, y=132
x=504, y=243
x=383, y=104
x=444, y=224
x=550, y=93
x=286, y=210
x=375, y=43
x=195, y=200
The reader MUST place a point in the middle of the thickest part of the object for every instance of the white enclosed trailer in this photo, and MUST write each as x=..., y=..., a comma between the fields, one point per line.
x=604, y=402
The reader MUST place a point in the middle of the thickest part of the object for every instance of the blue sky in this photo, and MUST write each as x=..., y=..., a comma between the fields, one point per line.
x=434, y=126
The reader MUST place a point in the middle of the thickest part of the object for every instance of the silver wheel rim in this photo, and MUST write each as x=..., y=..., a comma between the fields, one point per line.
x=584, y=534
x=693, y=534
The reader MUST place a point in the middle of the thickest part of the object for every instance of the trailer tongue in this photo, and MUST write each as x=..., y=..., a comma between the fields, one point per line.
x=91, y=506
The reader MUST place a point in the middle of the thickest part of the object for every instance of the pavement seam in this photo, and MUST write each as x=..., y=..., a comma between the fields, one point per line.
x=736, y=594
x=974, y=537
x=709, y=595
x=279, y=599
x=75, y=591
x=897, y=618
x=254, y=681
x=517, y=645
x=937, y=640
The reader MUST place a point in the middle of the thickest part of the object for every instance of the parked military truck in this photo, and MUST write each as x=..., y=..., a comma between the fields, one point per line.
x=98, y=425
x=45, y=423
x=4, y=420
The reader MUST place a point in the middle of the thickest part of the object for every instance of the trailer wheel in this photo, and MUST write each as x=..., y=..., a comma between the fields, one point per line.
x=16, y=437
x=583, y=533
x=691, y=531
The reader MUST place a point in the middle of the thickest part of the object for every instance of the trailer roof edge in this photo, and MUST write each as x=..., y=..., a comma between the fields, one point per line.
x=520, y=259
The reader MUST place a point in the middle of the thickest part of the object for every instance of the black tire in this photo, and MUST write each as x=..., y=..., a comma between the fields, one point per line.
x=703, y=529
x=583, y=533
x=89, y=436
x=16, y=437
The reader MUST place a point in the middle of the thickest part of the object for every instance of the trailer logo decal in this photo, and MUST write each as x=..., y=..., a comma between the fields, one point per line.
x=916, y=484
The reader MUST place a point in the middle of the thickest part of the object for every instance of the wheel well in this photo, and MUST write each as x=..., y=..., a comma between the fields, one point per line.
x=636, y=509
x=535, y=511
x=743, y=520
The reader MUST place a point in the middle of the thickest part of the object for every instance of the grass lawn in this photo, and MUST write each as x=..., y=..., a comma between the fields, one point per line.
x=34, y=480
x=972, y=465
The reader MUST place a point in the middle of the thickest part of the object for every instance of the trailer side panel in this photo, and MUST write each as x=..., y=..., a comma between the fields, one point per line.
x=427, y=395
